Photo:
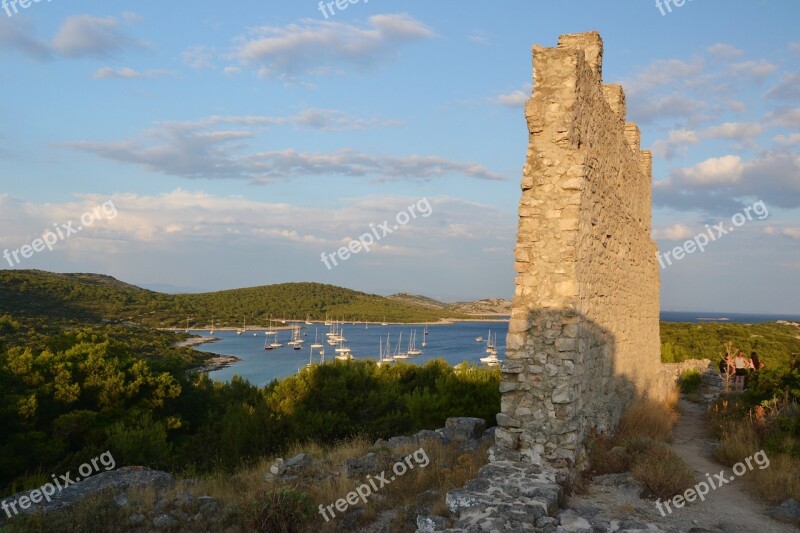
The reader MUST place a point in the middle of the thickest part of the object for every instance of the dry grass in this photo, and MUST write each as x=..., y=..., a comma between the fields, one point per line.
x=662, y=473
x=249, y=502
x=738, y=440
x=648, y=418
x=779, y=481
x=744, y=432
x=640, y=447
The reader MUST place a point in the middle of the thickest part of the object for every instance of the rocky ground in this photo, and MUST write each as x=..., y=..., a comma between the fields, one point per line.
x=514, y=496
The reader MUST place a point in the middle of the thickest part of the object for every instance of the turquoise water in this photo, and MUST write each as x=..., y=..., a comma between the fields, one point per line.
x=454, y=343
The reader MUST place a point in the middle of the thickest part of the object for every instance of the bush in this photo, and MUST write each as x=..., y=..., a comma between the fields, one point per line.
x=689, y=381
x=283, y=510
x=662, y=473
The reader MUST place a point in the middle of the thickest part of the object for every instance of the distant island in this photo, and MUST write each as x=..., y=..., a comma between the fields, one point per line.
x=96, y=297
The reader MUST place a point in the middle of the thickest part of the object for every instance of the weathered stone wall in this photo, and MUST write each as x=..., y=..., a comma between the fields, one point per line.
x=584, y=334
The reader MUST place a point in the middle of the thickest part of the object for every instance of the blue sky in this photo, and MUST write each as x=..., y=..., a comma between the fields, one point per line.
x=239, y=142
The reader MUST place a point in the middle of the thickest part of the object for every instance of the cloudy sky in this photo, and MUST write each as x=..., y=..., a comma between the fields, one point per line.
x=238, y=142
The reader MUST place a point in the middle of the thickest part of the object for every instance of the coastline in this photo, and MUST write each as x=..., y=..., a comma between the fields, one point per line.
x=497, y=317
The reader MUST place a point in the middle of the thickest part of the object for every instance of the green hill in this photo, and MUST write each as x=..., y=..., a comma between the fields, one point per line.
x=93, y=297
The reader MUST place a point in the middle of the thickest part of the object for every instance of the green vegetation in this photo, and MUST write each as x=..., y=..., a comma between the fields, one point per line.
x=68, y=396
x=773, y=342
x=689, y=381
x=92, y=297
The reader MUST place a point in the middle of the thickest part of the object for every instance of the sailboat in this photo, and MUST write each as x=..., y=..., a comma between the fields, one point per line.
x=267, y=345
x=424, y=337
x=384, y=323
x=491, y=359
x=275, y=343
x=327, y=321
x=308, y=320
x=244, y=327
x=316, y=344
x=212, y=327
x=310, y=354
x=397, y=353
x=412, y=345
x=387, y=356
x=343, y=352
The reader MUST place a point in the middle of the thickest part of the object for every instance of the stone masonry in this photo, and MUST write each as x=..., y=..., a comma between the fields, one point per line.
x=583, y=340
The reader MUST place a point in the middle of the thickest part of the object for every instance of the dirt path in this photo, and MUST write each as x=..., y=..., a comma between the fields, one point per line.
x=729, y=508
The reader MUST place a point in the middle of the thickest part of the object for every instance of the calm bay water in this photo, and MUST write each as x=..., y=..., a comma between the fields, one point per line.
x=454, y=343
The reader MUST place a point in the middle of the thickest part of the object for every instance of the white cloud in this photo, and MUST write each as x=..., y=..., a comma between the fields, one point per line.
x=200, y=149
x=79, y=36
x=787, y=140
x=675, y=232
x=675, y=143
x=784, y=116
x=787, y=89
x=724, y=51
x=792, y=233
x=515, y=99
x=714, y=171
x=127, y=73
x=741, y=131
x=478, y=37
x=313, y=47
x=199, y=57
x=720, y=185
x=753, y=71
x=89, y=36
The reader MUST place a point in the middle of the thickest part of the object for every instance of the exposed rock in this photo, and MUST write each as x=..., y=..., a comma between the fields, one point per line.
x=462, y=429
x=372, y=463
x=164, y=521
x=505, y=496
x=570, y=522
x=788, y=512
x=430, y=524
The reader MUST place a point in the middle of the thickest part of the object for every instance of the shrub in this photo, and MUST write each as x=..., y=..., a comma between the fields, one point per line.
x=689, y=381
x=648, y=418
x=662, y=472
x=283, y=510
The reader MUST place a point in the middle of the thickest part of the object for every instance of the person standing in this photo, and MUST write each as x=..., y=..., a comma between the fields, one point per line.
x=755, y=362
x=741, y=364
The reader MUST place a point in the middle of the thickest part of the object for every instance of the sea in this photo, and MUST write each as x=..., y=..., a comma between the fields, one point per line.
x=455, y=343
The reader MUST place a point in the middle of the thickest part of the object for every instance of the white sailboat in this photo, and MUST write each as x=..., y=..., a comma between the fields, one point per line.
x=489, y=343
x=343, y=352
x=397, y=353
x=310, y=355
x=244, y=327
x=412, y=345
x=384, y=355
x=425, y=337
x=316, y=344
x=308, y=320
x=212, y=327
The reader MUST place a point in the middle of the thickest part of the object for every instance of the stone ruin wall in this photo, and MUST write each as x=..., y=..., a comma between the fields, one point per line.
x=583, y=338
